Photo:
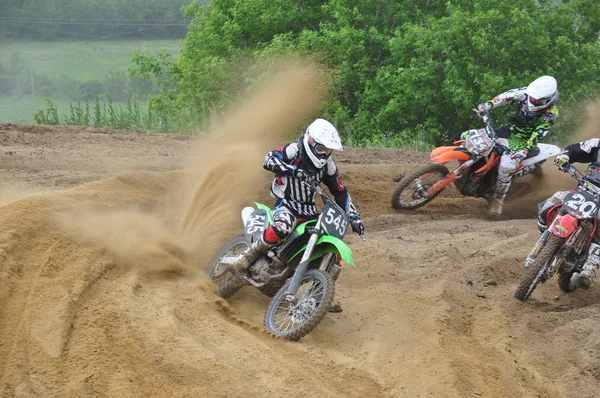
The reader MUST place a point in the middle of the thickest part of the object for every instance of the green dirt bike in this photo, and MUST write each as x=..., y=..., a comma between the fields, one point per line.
x=299, y=274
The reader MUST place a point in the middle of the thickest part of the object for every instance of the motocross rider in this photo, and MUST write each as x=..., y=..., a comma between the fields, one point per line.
x=534, y=117
x=308, y=159
x=580, y=152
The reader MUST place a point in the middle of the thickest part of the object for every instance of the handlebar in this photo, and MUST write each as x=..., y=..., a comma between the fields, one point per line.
x=572, y=170
x=489, y=123
x=315, y=187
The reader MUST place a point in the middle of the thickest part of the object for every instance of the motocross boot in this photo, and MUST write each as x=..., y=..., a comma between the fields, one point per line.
x=588, y=272
x=497, y=202
x=245, y=259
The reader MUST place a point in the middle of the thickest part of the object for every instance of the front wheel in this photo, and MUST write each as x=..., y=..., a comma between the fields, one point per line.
x=411, y=191
x=229, y=282
x=294, y=320
x=537, y=268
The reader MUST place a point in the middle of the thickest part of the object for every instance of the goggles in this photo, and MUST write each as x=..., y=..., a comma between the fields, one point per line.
x=322, y=150
x=538, y=102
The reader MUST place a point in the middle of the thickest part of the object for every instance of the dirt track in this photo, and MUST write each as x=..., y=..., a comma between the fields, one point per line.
x=429, y=312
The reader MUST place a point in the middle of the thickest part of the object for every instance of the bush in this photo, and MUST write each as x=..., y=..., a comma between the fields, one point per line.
x=404, y=72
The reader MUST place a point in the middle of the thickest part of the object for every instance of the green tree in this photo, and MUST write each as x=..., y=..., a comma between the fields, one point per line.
x=401, y=69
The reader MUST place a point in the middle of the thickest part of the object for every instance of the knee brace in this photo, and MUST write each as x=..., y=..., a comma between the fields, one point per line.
x=284, y=223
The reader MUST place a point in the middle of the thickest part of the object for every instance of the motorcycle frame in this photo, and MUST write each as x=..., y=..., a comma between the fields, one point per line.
x=318, y=245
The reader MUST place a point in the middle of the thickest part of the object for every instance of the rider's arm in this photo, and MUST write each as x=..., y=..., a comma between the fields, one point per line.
x=337, y=189
x=583, y=152
x=543, y=128
x=280, y=160
x=508, y=97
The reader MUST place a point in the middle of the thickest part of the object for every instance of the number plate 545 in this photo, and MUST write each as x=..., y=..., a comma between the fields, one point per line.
x=335, y=221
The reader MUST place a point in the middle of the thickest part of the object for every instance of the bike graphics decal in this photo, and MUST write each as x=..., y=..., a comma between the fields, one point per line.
x=525, y=170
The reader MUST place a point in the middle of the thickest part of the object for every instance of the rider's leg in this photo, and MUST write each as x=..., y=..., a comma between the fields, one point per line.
x=284, y=222
x=545, y=207
x=507, y=166
x=588, y=271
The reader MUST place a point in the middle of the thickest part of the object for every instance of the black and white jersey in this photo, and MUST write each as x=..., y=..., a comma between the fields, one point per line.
x=285, y=162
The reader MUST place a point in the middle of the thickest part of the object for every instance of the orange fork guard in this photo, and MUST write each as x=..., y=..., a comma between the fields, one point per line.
x=441, y=184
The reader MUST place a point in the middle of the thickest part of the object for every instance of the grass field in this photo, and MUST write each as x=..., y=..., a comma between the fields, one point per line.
x=21, y=109
x=78, y=59
x=81, y=59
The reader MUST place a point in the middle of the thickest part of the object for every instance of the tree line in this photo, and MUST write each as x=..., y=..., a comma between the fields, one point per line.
x=91, y=19
x=402, y=69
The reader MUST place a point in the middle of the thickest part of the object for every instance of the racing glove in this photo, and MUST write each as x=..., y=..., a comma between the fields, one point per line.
x=484, y=108
x=305, y=177
x=562, y=161
x=357, y=224
x=300, y=174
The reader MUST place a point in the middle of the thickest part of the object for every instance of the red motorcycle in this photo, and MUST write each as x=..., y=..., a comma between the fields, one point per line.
x=563, y=247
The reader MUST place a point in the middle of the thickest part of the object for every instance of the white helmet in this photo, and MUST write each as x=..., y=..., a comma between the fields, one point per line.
x=541, y=94
x=321, y=138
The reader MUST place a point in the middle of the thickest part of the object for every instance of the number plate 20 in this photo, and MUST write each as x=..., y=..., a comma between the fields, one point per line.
x=581, y=204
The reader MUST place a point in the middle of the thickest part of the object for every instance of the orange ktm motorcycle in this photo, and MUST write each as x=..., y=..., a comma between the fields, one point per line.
x=478, y=156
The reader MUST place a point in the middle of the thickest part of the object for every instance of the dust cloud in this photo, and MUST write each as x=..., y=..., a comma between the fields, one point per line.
x=201, y=208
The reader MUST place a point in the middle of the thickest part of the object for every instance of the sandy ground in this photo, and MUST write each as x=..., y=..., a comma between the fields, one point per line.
x=97, y=300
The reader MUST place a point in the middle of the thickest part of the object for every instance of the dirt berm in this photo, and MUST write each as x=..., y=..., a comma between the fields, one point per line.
x=104, y=235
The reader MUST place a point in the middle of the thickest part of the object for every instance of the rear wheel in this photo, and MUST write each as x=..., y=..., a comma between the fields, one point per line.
x=229, y=282
x=294, y=320
x=411, y=191
x=538, y=267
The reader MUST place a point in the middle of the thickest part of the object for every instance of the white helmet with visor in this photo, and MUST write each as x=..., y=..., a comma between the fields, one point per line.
x=320, y=140
x=542, y=93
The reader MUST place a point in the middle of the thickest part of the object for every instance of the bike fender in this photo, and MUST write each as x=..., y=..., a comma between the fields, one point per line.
x=564, y=226
x=546, y=151
x=552, y=213
x=445, y=154
x=329, y=244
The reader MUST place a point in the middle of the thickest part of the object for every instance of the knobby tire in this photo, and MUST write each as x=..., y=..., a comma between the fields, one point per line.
x=315, y=319
x=531, y=279
x=407, y=181
x=234, y=281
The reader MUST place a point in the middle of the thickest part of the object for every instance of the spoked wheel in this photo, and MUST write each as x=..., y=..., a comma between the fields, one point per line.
x=538, y=267
x=294, y=320
x=411, y=191
x=227, y=281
